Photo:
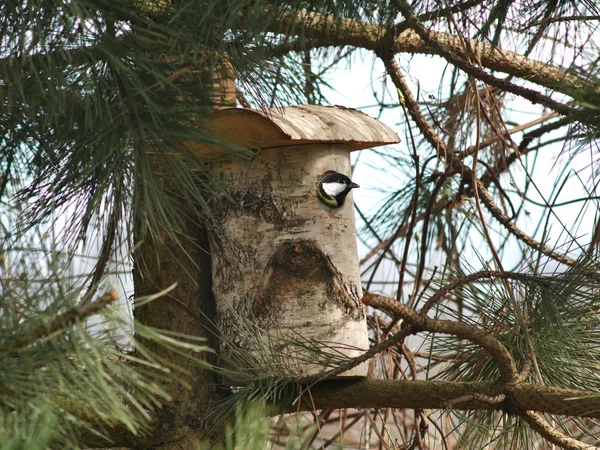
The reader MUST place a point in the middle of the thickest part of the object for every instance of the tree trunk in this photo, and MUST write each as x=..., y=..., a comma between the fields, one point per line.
x=183, y=422
x=189, y=308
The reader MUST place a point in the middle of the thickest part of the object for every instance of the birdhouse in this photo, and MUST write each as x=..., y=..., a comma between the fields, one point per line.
x=284, y=264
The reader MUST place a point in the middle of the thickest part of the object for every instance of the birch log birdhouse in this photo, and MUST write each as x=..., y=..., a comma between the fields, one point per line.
x=285, y=266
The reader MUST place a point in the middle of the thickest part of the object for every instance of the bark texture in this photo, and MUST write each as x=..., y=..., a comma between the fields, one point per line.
x=428, y=394
x=183, y=422
x=325, y=30
x=285, y=266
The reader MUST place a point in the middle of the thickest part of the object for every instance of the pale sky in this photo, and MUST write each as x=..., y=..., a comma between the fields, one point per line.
x=354, y=89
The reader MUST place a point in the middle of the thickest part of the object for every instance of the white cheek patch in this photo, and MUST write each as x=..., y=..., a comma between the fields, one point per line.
x=333, y=189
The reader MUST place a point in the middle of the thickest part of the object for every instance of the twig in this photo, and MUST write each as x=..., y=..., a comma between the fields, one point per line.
x=105, y=250
x=470, y=150
x=373, y=351
x=490, y=400
x=402, y=229
x=446, y=289
x=457, y=166
x=413, y=107
x=413, y=210
x=320, y=420
x=516, y=310
x=424, y=236
x=419, y=416
x=529, y=94
x=525, y=370
x=537, y=423
x=421, y=322
x=505, y=221
x=319, y=30
x=63, y=321
x=242, y=100
x=505, y=163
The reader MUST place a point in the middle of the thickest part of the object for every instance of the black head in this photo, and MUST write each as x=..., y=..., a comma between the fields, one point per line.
x=333, y=189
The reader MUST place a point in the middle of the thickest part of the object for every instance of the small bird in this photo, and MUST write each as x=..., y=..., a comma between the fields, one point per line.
x=333, y=188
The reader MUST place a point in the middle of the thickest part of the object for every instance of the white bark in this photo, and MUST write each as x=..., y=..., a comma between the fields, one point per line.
x=287, y=263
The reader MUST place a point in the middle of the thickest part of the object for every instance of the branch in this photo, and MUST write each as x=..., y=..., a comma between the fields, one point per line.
x=481, y=145
x=412, y=394
x=63, y=321
x=536, y=422
x=318, y=30
x=105, y=250
x=402, y=230
x=505, y=221
x=504, y=163
x=427, y=394
x=354, y=362
x=322, y=30
x=420, y=322
x=444, y=290
x=455, y=164
x=462, y=62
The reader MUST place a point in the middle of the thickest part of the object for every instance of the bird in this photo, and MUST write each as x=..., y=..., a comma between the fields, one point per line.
x=333, y=188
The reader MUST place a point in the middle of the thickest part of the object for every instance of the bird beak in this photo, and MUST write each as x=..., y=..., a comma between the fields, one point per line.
x=353, y=185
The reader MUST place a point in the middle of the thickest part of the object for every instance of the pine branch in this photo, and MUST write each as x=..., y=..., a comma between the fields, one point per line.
x=417, y=394
x=494, y=139
x=505, y=221
x=322, y=30
x=503, y=164
x=105, y=250
x=536, y=422
x=462, y=63
x=428, y=394
x=412, y=394
x=61, y=322
x=402, y=230
x=415, y=322
x=420, y=322
x=484, y=274
x=455, y=165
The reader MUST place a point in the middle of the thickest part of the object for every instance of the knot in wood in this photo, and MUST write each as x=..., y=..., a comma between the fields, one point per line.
x=510, y=405
x=299, y=257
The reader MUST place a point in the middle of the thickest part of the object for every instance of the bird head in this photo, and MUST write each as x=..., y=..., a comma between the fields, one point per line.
x=333, y=188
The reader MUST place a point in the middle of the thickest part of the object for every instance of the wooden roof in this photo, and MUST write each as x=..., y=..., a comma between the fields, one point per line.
x=300, y=125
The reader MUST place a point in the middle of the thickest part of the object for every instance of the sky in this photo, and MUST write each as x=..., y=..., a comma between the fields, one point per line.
x=354, y=88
